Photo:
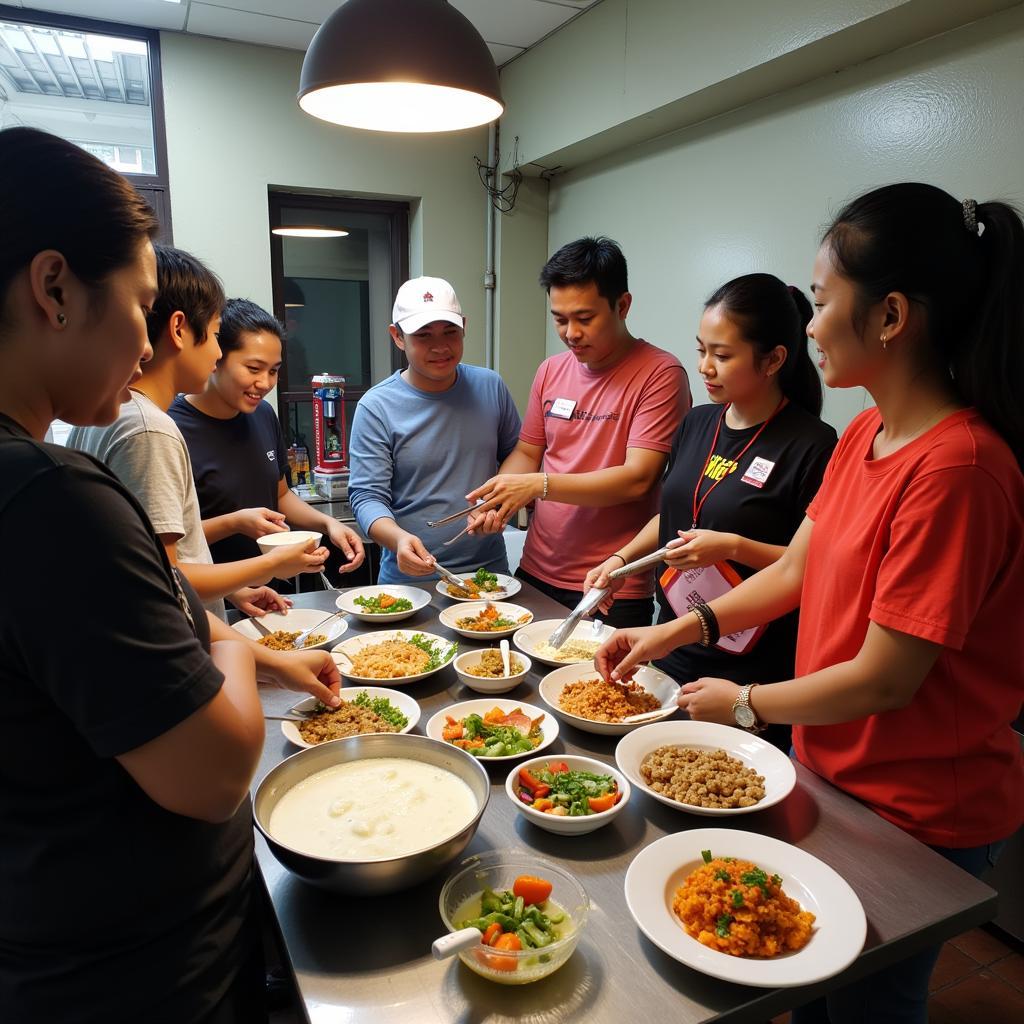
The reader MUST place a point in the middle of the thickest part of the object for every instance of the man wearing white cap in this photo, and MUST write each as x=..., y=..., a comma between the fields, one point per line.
x=422, y=438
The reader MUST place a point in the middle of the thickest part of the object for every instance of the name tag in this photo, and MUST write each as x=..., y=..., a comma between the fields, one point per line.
x=562, y=408
x=758, y=472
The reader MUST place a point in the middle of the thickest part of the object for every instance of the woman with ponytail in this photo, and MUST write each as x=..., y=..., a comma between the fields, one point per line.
x=909, y=568
x=741, y=473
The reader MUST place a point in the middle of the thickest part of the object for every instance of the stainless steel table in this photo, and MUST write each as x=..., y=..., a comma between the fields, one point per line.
x=367, y=961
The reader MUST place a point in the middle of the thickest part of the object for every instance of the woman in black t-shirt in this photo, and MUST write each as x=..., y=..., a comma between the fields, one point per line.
x=128, y=740
x=741, y=473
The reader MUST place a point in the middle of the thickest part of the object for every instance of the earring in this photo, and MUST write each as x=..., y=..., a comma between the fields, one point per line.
x=885, y=342
x=62, y=320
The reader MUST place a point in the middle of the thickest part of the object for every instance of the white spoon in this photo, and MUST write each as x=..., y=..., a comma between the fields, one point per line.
x=455, y=942
x=503, y=644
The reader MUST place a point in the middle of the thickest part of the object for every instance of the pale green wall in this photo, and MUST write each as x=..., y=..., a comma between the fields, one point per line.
x=233, y=128
x=751, y=190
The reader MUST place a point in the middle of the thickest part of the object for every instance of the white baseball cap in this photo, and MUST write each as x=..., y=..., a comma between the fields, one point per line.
x=423, y=300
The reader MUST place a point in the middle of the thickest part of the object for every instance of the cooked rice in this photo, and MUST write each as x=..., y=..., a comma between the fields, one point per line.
x=390, y=659
x=282, y=640
x=348, y=719
x=599, y=701
x=571, y=650
x=490, y=665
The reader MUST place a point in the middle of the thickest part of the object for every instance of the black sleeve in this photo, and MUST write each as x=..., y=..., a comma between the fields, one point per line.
x=112, y=647
x=676, y=442
x=816, y=462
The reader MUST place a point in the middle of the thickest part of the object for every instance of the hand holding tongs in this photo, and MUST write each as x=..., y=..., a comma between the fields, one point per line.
x=593, y=597
x=453, y=516
x=449, y=577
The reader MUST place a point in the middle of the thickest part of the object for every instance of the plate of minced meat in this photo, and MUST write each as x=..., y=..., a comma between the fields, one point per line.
x=580, y=697
x=363, y=710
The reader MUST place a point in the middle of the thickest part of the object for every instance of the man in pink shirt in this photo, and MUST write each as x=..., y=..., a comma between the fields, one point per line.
x=596, y=436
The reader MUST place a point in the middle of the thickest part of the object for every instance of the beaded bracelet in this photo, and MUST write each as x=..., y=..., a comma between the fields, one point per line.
x=705, y=629
x=710, y=620
x=544, y=493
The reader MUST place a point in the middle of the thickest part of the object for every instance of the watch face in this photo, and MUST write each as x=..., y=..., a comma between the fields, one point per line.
x=745, y=718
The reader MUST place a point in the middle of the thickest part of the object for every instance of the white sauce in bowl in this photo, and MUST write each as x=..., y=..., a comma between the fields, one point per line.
x=372, y=809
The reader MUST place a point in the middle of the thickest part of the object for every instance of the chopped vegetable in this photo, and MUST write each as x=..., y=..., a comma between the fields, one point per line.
x=492, y=933
x=382, y=708
x=496, y=734
x=706, y=854
x=490, y=620
x=531, y=889
x=567, y=792
x=434, y=649
x=383, y=604
x=722, y=926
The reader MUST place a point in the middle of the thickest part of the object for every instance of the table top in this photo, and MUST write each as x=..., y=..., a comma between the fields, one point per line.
x=361, y=960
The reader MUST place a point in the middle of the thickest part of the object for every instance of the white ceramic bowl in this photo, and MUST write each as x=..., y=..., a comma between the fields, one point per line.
x=354, y=644
x=777, y=769
x=515, y=613
x=272, y=541
x=509, y=586
x=527, y=638
x=662, y=687
x=488, y=684
x=347, y=602
x=549, y=727
x=568, y=826
x=294, y=619
x=402, y=701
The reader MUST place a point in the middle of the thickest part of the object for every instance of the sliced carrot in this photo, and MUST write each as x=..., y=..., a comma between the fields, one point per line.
x=509, y=941
x=601, y=803
x=532, y=890
x=492, y=933
x=452, y=732
x=542, y=805
x=557, y=766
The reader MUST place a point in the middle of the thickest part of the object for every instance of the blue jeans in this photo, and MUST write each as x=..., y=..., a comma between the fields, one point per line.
x=897, y=994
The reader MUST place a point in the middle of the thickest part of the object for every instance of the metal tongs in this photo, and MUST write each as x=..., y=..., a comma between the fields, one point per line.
x=449, y=577
x=595, y=595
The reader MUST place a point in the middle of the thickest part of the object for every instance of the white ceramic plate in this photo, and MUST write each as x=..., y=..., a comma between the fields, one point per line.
x=347, y=602
x=509, y=586
x=287, y=538
x=402, y=701
x=299, y=619
x=656, y=683
x=466, y=610
x=527, y=638
x=839, y=929
x=549, y=727
x=354, y=644
x=777, y=769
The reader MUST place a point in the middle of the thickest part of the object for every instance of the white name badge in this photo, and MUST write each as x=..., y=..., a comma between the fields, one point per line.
x=562, y=408
x=758, y=472
x=687, y=587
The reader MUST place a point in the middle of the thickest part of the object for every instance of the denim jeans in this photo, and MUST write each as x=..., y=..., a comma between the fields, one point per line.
x=897, y=994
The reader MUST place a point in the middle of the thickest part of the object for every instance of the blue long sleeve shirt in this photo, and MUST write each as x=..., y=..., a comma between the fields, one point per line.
x=415, y=455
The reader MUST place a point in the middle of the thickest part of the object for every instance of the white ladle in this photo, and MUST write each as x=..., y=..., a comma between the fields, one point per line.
x=503, y=644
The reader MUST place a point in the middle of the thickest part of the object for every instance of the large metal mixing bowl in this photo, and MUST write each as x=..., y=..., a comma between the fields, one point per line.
x=376, y=876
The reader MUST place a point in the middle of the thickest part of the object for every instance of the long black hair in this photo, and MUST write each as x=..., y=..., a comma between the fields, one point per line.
x=963, y=262
x=771, y=313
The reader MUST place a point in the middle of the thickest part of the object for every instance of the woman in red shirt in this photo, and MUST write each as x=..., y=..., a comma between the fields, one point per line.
x=909, y=567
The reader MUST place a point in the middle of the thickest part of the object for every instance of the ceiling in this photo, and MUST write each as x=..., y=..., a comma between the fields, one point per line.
x=508, y=26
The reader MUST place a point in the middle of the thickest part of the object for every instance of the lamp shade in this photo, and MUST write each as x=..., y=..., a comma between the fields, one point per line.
x=400, y=66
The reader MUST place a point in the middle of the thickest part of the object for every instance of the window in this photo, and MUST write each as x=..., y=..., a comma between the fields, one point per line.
x=94, y=84
x=334, y=295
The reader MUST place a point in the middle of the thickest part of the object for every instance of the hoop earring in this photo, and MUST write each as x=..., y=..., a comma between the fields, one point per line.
x=62, y=320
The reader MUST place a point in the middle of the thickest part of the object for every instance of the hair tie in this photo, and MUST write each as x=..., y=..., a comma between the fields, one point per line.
x=970, y=209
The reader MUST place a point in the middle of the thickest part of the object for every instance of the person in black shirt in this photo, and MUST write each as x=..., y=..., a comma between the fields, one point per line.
x=128, y=740
x=234, y=441
x=741, y=473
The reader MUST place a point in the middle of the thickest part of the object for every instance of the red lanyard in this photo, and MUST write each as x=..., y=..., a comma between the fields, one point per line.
x=697, y=506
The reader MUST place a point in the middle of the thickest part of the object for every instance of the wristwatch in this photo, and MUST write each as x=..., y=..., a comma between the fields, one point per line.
x=744, y=714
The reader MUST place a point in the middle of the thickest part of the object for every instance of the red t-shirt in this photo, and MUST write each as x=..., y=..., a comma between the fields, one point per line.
x=927, y=541
x=637, y=403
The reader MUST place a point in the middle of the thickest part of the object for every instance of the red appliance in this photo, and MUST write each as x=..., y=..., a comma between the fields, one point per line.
x=331, y=452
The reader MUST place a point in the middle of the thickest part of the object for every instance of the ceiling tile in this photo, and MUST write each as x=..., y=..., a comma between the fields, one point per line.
x=503, y=54
x=207, y=20
x=315, y=11
x=144, y=13
x=514, y=22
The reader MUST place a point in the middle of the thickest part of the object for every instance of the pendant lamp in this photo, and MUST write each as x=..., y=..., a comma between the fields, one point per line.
x=400, y=66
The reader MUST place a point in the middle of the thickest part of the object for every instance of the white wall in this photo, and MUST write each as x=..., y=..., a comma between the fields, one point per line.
x=752, y=190
x=234, y=128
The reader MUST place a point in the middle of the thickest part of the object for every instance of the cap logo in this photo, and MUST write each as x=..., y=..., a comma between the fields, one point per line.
x=427, y=297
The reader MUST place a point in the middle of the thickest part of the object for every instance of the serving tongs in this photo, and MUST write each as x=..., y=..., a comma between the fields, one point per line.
x=595, y=595
x=449, y=577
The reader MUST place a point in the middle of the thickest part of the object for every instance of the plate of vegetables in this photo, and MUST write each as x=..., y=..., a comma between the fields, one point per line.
x=485, y=620
x=383, y=603
x=355, y=716
x=493, y=730
x=481, y=585
x=529, y=912
x=569, y=795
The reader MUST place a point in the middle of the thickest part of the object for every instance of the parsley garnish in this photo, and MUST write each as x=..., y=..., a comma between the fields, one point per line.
x=721, y=875
x=737, y=898
x=722, y=926
x=706, y=854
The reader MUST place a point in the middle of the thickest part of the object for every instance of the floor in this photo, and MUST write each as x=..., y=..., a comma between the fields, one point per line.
x=979, y=980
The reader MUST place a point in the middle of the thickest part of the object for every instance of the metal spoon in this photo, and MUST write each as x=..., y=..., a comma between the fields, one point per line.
x=300, y=641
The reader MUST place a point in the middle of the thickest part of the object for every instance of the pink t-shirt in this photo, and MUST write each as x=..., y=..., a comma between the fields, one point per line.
x=585, y=421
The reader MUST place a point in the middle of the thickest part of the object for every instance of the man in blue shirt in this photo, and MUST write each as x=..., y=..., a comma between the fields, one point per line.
x=424, y=437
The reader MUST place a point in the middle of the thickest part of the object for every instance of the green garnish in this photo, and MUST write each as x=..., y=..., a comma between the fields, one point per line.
x=431, y=648
x=756, y=877
x=382, y=708
x=722, y=926
x=737, y=898
x=499, y=740
x=374, y=607
x=572, y=789
x=485, y=580
x=776, y=879
x=721, y=875
x=706, y=854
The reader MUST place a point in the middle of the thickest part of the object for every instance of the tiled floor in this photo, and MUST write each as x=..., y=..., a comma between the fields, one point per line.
x=979, y=979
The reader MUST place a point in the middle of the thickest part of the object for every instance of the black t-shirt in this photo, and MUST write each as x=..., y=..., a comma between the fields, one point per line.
x=798, y=445
x=237, y=463
x=111, y=908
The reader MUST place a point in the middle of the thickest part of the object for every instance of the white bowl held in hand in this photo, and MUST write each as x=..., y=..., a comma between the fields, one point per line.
x=290, y=538
x=490, y=684
x=567, y=825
